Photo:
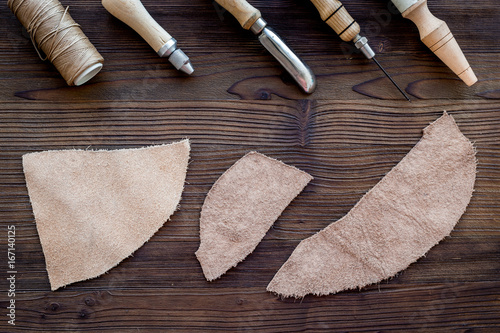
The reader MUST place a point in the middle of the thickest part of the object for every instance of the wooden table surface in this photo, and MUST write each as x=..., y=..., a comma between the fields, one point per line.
x=348, y=135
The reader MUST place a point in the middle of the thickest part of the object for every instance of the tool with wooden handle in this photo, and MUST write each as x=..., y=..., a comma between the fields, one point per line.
x=437, y=36
x=250, y=19
x=336, y=16
x=133, y=13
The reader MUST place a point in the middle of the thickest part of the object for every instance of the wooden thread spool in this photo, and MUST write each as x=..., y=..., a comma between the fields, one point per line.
x=64, y=44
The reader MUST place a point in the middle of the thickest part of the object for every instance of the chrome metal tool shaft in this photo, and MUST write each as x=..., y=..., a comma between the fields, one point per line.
x=250, y=19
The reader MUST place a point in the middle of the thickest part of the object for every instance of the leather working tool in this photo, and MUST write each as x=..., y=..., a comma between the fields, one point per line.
x=436, y=35
x=336, y=16
x=250, y=19
x=133, y=13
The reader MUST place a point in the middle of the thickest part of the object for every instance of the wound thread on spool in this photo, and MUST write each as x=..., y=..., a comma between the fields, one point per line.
x=61, y=39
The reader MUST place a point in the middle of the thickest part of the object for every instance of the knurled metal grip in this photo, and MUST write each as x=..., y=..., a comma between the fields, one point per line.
x=338, y=18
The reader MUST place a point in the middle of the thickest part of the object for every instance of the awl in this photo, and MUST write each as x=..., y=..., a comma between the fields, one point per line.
x=250, y=19
x=133, y=13
x=436, y=35
x=336, y=16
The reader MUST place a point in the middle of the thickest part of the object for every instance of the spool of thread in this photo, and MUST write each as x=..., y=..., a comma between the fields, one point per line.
x=64, y=44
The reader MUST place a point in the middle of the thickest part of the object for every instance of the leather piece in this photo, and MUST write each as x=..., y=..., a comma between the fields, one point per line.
x=95, y=208
x=399, y=220
x=240, y=208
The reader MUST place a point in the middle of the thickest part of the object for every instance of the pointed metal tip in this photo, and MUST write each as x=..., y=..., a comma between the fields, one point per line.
x=390, y=78
x=181, y=61
x=187, y=68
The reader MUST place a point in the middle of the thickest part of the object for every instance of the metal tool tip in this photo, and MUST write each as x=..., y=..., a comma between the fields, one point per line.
x=390, y=78
x=181, y=61
x=308, y=82
x=300, y=72
x=187, y=68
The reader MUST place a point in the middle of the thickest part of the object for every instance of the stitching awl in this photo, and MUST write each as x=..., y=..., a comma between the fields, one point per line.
x=336, y=16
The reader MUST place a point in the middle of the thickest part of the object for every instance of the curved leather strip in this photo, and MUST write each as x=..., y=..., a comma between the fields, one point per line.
x=399, y=220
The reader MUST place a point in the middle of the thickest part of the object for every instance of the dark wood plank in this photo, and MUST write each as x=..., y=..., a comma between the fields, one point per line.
x=426, y=308
x=348, y=135
x=346, y=146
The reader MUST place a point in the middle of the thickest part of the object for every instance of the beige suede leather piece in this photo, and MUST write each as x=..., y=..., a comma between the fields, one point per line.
x=240, y=208
x=409, y=211
x=95, y=208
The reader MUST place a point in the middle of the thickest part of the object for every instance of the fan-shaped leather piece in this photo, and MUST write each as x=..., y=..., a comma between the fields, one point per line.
x=409, y=211
x=241, y=206
x=95, y=208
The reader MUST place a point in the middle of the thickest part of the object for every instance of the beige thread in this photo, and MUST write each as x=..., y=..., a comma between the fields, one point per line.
x=58, y=36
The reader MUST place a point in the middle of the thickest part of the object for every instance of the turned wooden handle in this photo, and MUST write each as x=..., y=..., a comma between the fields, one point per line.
x=245, y=13
x=133, y=13
x=436, y=35
x=338, y=18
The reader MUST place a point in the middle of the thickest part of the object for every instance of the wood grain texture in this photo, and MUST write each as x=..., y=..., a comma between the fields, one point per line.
x=348, y=134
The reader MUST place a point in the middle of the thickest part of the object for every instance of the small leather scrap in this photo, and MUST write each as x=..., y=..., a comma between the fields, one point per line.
x=240, y=208
x=95, y=208
x=399, y=220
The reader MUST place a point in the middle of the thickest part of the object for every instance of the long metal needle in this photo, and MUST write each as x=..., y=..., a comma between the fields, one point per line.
x=390, y=78
x=336, y=16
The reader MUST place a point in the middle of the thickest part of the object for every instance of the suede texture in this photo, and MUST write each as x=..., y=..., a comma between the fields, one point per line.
x=410, y=210
x=240, y=208
x=95, y=208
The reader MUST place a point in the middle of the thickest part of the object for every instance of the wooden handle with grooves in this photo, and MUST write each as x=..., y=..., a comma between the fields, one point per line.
x=338, y=18
x=245, y=13
x=133, y=13
x=436, y=35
